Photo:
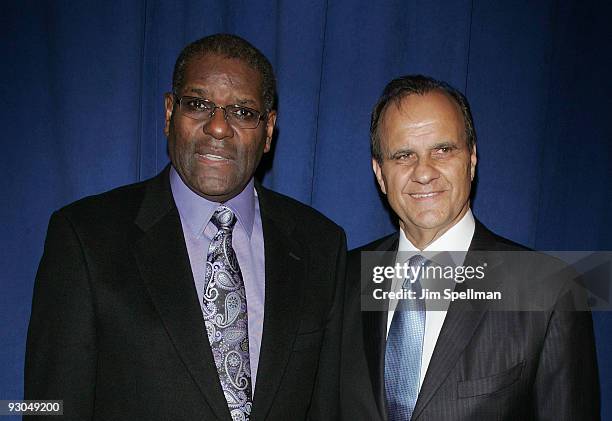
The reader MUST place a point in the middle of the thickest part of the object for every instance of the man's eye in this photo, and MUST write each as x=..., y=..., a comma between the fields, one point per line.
x=444, y=150
x=243, y=113
x=197, y=105
x=404, y=156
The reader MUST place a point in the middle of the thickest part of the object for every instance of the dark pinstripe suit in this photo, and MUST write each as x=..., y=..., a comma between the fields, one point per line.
x=487, y=365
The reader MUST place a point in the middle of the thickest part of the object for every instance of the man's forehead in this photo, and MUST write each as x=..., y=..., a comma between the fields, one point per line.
x=212, y=68
x=432, y=103
x=423, y=121
x=417, y=110
x=209, y=61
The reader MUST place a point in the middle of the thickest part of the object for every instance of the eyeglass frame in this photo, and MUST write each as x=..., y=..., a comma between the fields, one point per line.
x=179, y=99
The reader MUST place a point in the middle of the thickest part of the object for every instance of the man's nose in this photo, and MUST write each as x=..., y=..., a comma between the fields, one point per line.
x=424, y=171
x=217, y=126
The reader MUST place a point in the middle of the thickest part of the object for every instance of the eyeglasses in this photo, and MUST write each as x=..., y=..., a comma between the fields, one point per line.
x=203, y=110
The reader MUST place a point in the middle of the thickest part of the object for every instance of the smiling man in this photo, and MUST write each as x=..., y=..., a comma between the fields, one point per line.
x=426, y=164
x=464, y=360
x=198, y=294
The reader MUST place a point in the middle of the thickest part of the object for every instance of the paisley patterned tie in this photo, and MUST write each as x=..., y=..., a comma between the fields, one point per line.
x=225, y=316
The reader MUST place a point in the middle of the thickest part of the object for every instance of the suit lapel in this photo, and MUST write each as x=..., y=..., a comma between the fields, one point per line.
x=461, y=321
x=162, y=259
x=375, y=327
x=285, y=268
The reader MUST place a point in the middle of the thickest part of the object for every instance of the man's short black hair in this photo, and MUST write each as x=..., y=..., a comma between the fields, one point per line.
x=230, y=46
x=404, y=86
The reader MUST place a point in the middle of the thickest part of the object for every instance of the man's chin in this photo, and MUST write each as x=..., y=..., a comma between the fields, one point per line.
x=216, y=190
x=428, y=222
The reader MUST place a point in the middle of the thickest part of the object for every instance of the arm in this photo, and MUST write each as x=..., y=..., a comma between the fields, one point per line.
x=325, y=400
x=60, y=358
x=357, y=397
x=567, y=385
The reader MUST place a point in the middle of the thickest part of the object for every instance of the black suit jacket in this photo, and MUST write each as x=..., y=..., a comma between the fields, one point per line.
x=117, y=332
x=486, y=365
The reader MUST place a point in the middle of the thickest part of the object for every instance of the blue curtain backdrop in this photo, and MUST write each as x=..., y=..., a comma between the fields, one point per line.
x=81, y=95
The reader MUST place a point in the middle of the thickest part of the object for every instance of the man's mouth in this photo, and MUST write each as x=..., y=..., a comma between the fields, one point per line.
x=425, y=195
x=212, y=157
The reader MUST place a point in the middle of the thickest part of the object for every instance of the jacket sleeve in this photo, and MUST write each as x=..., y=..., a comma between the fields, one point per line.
x=326, y=396
x=567, y=383
x=60, y=362
x=356, y=393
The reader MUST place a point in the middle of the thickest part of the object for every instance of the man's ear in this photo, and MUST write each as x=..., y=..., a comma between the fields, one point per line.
x=379, y=176
x=270, y=123
x=169, y=106
x=473, y=162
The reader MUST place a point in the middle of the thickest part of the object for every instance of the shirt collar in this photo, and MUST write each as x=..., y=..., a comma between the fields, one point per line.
x=457, y=238
x=196, y=211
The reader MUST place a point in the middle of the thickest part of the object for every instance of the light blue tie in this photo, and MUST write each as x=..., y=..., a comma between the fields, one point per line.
x=404, y=350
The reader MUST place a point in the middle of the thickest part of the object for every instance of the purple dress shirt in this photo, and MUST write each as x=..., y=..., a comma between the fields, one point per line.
x=247, y=239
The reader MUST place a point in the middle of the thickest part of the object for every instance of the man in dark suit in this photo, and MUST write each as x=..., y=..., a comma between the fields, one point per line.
x=528, y=356
x=197, y=294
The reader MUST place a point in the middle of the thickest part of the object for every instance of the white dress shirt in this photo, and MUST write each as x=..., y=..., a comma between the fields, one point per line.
x=457, y=238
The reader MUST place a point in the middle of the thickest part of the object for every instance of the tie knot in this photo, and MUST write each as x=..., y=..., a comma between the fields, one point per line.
x=417, y=260
x=414, y=274
x=223, y=218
